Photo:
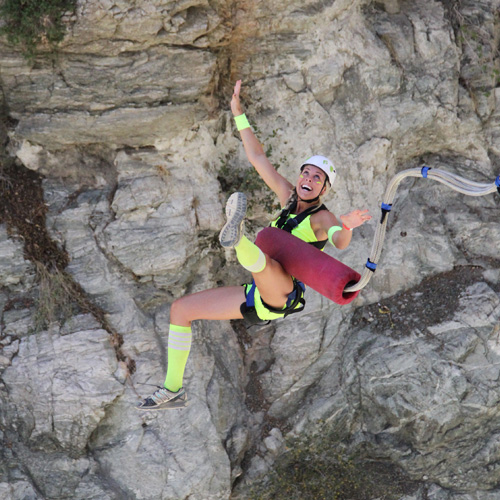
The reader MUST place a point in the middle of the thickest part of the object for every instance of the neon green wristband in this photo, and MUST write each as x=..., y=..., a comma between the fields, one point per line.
x=241, y=122
x=331, y=232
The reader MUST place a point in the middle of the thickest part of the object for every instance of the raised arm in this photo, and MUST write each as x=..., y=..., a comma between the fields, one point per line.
x=257, y=157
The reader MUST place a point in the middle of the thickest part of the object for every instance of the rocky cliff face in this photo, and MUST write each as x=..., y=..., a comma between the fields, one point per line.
x=120, y=154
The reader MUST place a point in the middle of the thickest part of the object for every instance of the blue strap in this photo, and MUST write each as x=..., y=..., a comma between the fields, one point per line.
x=424, y=171
x=497, y=183
x=251, y=295
x=371, y=265
x=386, y=208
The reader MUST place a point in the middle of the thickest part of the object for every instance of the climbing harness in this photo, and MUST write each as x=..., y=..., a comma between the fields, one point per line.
x=255, y=313
x=252, y=313
x=288, y=223
x=455, y=182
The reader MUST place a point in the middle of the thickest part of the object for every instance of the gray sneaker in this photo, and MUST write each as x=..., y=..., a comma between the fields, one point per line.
x=163, y=399
x=236, y=208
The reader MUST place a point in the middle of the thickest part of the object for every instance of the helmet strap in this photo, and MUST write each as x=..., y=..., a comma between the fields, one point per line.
x=309, y=201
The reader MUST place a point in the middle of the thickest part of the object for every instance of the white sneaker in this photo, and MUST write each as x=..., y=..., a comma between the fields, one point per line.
x=236, y=208
x=163, y=399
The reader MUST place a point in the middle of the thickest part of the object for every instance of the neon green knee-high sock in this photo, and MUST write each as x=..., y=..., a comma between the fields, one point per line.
x=179, y=345
x=250, y=256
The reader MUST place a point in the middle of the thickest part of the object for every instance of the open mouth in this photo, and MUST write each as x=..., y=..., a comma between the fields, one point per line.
x=305, y=187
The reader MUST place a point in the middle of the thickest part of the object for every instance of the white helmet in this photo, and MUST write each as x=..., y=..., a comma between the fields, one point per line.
x=324, y=164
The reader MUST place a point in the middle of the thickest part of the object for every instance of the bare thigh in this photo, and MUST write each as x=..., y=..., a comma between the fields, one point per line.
x=216, y=304
x=274, y=283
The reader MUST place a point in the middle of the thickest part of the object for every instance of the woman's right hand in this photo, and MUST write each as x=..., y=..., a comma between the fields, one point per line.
x=235, y=101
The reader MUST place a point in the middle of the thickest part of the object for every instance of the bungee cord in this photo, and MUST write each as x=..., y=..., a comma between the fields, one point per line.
x=455, y=182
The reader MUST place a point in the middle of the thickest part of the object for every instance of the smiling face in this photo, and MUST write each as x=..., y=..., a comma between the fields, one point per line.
x=311, y=182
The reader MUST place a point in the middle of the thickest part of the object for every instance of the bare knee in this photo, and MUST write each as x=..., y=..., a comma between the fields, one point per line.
x=179, y=312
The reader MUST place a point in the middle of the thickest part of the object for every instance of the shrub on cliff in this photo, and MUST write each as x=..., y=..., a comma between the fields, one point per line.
x=30, y=23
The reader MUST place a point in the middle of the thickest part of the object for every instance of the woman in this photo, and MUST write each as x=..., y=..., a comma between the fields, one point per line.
x=273, y=293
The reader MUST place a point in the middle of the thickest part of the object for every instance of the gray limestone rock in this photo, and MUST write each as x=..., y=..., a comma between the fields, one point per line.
x=14, y=269
x=130, y=127
x=59, y=387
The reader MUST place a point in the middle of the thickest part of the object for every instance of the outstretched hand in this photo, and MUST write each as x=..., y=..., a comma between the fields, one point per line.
x=355, y=218
x=235, y=101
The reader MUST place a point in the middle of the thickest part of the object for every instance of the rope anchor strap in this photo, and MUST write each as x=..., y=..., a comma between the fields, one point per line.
x=386, y=208
x=455, y=182
x=425, y=171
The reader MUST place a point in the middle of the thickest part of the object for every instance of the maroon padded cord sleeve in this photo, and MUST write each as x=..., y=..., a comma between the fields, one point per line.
x=308, y=264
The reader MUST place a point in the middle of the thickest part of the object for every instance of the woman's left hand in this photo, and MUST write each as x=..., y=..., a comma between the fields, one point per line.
x=355, y=218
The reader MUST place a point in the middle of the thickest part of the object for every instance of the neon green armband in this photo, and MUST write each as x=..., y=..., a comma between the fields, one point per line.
x=331, y=232
x=241, y=122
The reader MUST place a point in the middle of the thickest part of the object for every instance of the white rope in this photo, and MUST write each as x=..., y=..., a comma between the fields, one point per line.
x=460, y=184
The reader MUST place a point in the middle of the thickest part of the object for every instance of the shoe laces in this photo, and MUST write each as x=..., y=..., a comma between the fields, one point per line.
x=161, y=395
